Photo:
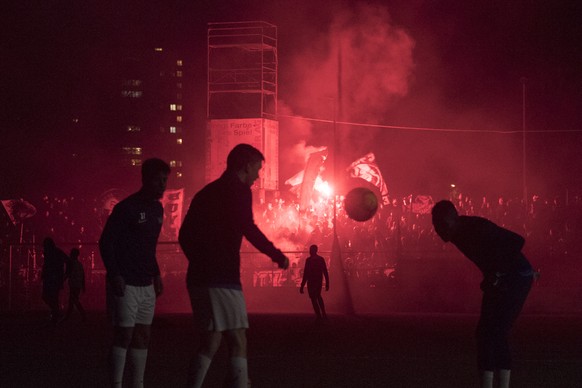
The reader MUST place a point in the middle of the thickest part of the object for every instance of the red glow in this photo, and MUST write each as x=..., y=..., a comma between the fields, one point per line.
x=323, y=188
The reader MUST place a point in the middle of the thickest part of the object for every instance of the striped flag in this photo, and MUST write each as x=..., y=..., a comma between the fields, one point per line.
x=172, y=202
x=366, y=168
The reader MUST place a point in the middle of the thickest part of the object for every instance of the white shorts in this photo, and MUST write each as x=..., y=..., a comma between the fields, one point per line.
x=137, y=305
x=218, y=309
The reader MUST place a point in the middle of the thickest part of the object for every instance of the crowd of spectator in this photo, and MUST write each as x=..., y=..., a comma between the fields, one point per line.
x=398, y=230
x=402, y=230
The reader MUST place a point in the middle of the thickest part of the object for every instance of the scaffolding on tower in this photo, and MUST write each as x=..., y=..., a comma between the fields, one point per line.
x=242, y=96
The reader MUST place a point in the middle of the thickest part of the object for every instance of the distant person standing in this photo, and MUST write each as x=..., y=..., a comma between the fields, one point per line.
x=211, y=235
x=507, y=279
x=128, y=248
x=313, y=273
x=76, y=276
x=53, y=272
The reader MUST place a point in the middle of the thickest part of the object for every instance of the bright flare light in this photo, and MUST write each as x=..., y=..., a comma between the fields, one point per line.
x=323, y=187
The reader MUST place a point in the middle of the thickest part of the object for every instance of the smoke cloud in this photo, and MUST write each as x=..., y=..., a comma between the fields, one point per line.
x=351, y=72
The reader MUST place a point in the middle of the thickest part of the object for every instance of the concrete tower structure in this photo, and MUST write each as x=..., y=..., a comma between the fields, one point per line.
x=242, y=96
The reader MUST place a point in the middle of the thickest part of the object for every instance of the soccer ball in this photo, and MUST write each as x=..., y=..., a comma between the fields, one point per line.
x=361, y=204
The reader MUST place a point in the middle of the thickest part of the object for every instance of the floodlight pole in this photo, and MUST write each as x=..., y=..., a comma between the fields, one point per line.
x=523, y=152
x=334, y=169
x=337, y=106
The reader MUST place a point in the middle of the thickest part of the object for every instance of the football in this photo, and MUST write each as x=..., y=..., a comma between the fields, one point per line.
x=361, y=204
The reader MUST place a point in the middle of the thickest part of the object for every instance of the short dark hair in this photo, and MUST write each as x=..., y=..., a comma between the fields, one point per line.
x=241, y=155
x=48, y=243
x=152, y=167
x=313, y=249
x=75, y=252
x=441, y=209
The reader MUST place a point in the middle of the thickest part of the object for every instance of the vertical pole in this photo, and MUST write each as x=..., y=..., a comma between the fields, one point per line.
x=10, y=280
x=524, y=155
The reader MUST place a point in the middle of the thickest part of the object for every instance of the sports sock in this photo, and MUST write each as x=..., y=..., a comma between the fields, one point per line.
x=138, y=359
x=198, y=368
x=117, y=364
x=487, y=379
x=238, y=373
x=504, y=377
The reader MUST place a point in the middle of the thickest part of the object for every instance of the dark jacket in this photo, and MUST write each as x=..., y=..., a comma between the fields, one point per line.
x=129, y=239
x=219, y=216
x=492, y=248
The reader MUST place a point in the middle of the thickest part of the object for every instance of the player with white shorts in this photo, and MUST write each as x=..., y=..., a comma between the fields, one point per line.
x=128, y=249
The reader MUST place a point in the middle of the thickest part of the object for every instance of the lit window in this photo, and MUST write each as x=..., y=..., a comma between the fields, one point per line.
x=172, y=106
x=135, y=162
x=133, y=128
x=179, y=73
x=178, y=107
x=132, y=82
x=179, y=85
x=172, y=163
x=132, y=150
x=179, y=62
x=172, y=129
x=159, y=49
x=179, y=141
x=131, y=93
x=179, y=174
x=179, y=119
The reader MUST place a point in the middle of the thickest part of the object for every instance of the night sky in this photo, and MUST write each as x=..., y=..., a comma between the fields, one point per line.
x=422, y=64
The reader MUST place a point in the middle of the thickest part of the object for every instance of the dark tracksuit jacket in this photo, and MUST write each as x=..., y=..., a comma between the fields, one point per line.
x=211, y=235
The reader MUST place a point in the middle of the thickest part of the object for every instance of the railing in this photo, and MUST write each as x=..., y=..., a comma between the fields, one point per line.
x=21, y=281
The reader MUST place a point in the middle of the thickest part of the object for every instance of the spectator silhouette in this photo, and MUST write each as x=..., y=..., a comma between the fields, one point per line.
x=52, y=277
x=314, y=272
x=76, y=276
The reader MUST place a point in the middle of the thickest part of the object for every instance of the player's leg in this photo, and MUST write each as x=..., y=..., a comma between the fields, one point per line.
x=487, y=379
x=51, y=298
x=122, y=311
x=508, y=310
x=231, y=318
x=322, y=306
x=504, y=378
x=73, y=301
x=209, y=338
x=314, y=291
x=486, y=338
x=315, y=305
x=200, y=362
x=237, y=376
x=78, y=304
x=118, y=354
x=138, y=349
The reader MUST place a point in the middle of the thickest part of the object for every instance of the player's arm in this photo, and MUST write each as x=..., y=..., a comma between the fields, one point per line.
x=325, y=274
x=114, y=228
x=254, y=235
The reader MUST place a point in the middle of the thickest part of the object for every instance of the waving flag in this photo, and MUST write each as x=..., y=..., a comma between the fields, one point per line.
x=173, y=203
x=366, y=168
x=310, y=174
x=18, y=209
x=422, y=204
